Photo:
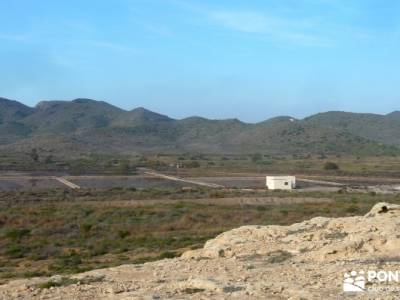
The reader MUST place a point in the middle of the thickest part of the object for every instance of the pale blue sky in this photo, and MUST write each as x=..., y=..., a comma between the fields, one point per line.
x=216, y=58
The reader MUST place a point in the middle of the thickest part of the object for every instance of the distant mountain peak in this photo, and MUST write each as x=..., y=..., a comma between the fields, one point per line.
x=138, y=117
x=84, y=100
x=9, y=102
x=145, y=113
x=11, y=110
x=142, y=110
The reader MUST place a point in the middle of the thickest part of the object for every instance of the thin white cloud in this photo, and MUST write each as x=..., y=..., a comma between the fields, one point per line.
x=283, y=29
x=283, y=24
x=279, y=25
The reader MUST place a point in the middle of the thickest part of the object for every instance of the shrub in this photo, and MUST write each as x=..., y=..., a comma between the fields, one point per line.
x=322, y=156
x=98, y=249
x=352, y=209
x=330, y=166
x=168, y=254
x=71, y=260
x=86, y=227
x=31, y=274
x=123, y=233
x=123, y=168
x=284, y=212
x=15, y=251
x=17, y=233
x=192, y=164
x=256, y=157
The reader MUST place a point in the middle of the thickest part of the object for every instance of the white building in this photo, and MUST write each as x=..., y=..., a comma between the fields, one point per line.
x=281, y=182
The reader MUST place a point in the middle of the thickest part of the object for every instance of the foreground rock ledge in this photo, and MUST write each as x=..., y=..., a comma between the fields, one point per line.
x=302, y=261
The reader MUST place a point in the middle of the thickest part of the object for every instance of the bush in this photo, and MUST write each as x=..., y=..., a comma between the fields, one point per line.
x=261, y=208
x=192, y=164
x=353, y=209
x=168, y=254
x=329, y=166
x=256, y=157
x=15, y=251
x=284, y=212
x=123, y=233
x=17, y=233
x=86, y=227
x=72, y=259
x=123, y=168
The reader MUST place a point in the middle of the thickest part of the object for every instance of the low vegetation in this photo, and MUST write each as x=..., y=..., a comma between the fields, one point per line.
x=55, y=232
x=201, y=164
x=331, y=166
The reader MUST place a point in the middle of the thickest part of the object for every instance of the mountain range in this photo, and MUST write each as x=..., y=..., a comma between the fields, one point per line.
x=85, y=126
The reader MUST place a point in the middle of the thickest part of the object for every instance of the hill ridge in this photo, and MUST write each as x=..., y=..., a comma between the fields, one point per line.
x=106, y=129
x=197, y=116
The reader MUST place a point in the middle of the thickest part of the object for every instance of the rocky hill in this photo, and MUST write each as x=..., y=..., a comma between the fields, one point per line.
x=307, y=260
x=65, y=128
x=381, y=128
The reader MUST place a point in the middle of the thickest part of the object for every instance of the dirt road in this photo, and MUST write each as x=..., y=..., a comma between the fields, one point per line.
x=59, y=179
x=173, y=178
x=67, y=183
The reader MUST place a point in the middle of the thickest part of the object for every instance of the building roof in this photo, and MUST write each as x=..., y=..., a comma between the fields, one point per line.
x=280, y=177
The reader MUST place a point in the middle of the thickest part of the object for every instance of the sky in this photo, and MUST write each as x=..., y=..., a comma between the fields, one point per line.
x=250, y=60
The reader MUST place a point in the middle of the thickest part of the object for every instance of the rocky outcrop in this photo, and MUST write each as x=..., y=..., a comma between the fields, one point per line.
x=307, y=260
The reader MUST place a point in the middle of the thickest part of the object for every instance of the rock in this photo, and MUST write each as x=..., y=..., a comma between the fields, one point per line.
x=382, y=208
x=197, y=284
x=56, y=279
